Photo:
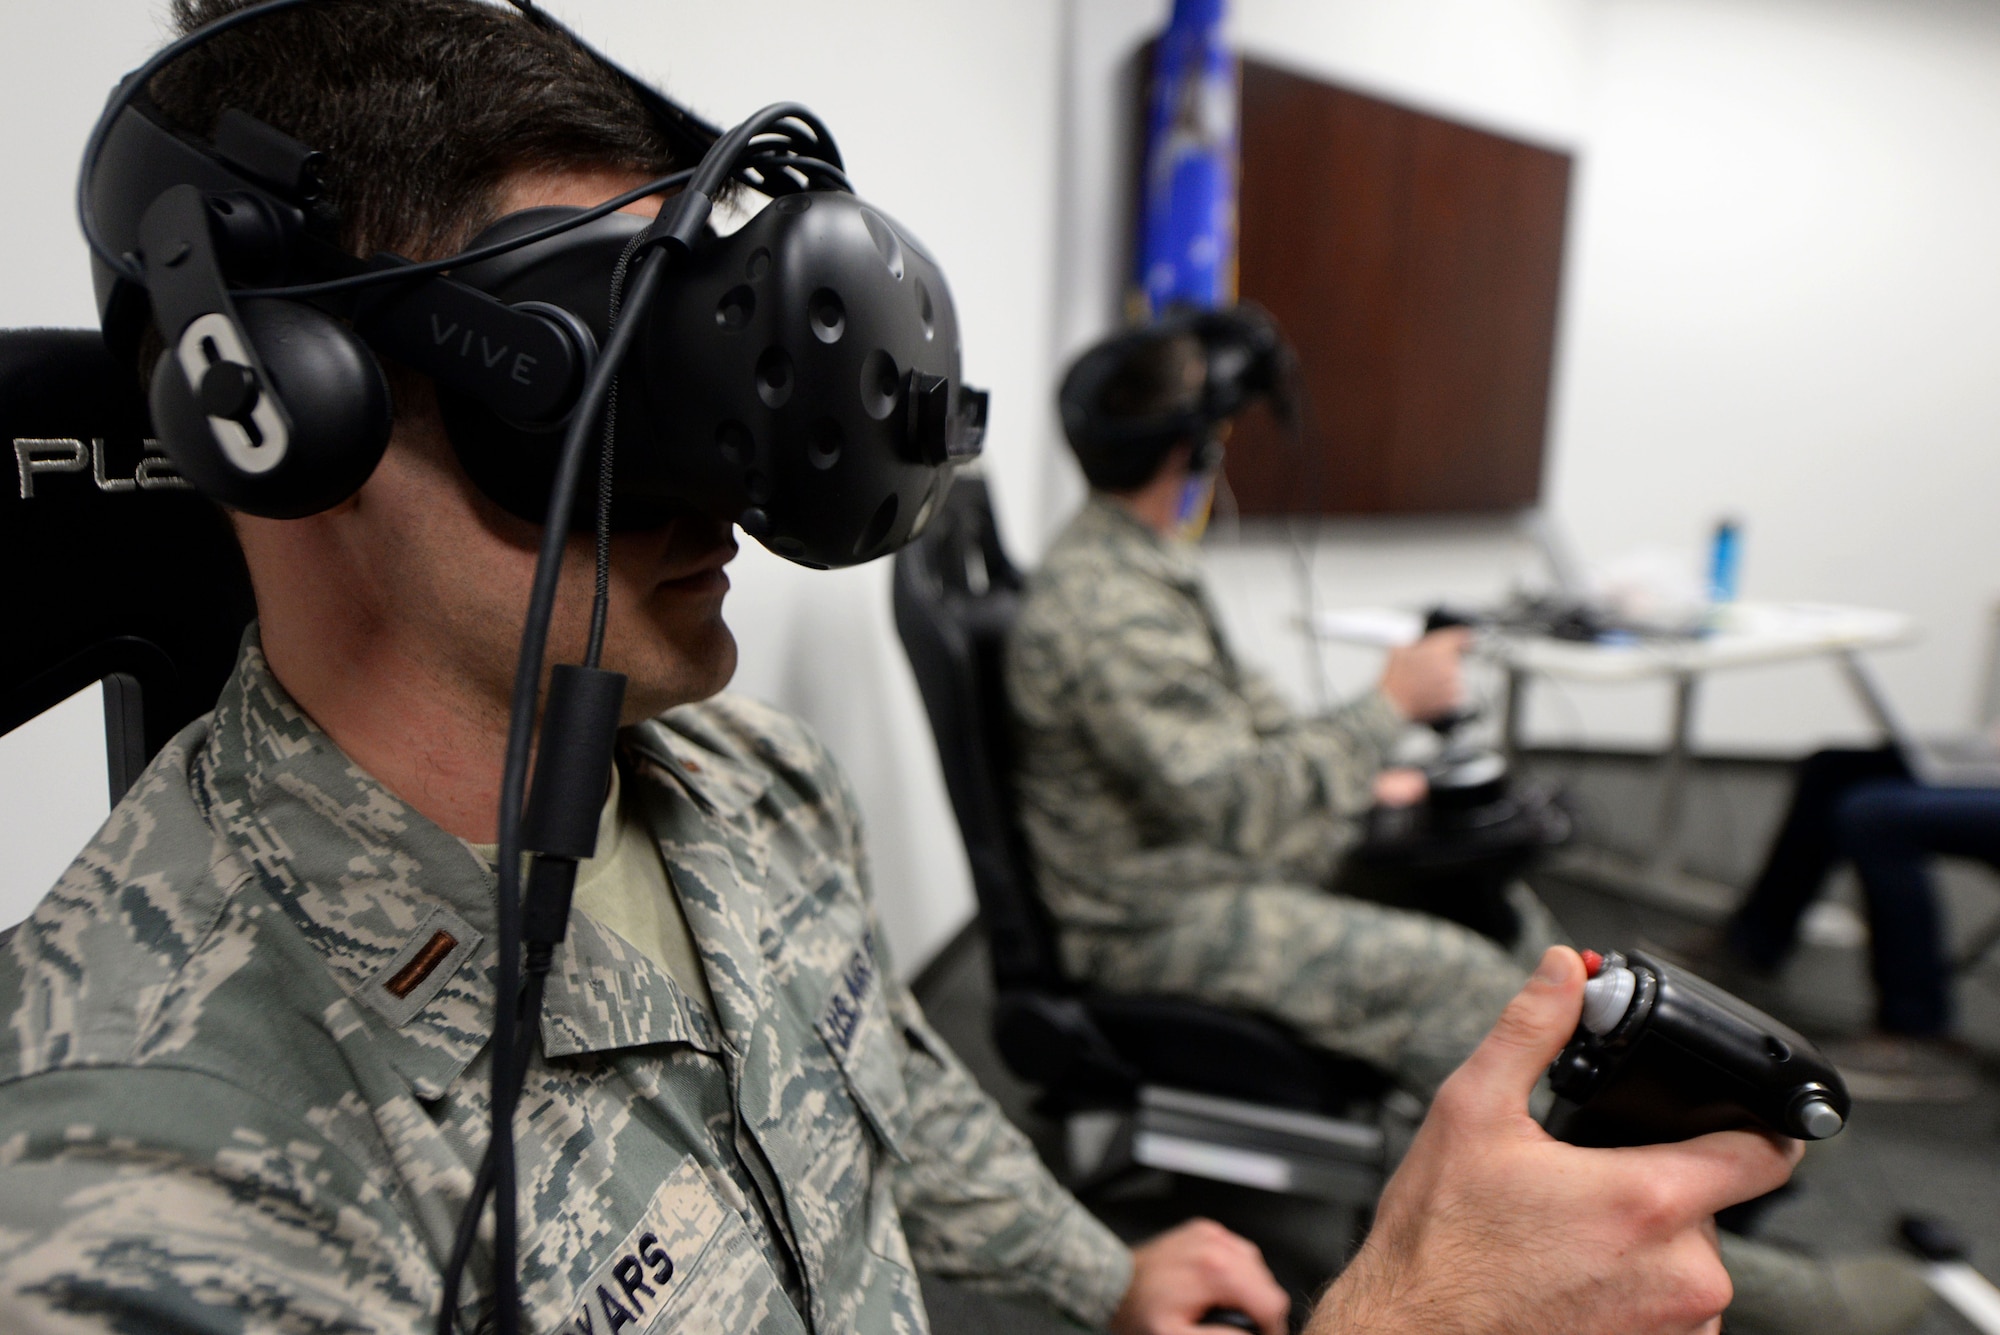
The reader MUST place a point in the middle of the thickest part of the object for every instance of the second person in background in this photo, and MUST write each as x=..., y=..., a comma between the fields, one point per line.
x=1189, y=829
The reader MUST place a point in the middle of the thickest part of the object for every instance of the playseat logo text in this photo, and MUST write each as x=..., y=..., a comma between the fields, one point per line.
x=61, y=454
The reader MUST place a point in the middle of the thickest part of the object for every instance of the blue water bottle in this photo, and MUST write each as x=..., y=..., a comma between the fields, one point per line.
x=1723, y=560
x=1187, y=208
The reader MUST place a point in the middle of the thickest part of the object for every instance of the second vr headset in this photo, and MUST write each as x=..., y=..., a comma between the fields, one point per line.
x=1130, y=399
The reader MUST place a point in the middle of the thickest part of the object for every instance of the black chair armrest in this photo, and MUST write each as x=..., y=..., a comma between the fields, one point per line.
x=1052, y=1042
x=1190, y=1045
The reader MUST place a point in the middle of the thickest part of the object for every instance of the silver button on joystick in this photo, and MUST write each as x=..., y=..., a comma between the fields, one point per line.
x=1819, y=1119
x=1607, y=997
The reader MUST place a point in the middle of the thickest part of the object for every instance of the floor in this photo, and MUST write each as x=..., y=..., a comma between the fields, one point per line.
x=1893, y=1160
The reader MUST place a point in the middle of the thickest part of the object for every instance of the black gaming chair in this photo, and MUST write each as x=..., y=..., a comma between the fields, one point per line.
x=1189, y=1087
x=122, y=573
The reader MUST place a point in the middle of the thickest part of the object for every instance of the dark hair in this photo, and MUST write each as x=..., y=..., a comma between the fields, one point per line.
x=1161, y=377
x=421, y=107
x=1129, y=400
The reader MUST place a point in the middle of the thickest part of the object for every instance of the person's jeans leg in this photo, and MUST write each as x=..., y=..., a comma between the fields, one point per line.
x=1766, y=927
x=1891, y=829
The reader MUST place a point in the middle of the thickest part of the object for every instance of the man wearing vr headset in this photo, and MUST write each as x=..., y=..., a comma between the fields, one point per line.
x=244, y=1085
x=1183, y=819
x=242, y=1071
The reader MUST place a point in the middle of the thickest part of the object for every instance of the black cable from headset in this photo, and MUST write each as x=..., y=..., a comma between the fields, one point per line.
x=517, y=1007
x=424, y=268
x=531, y=997
x=806, y=165
x=600, y=601
x=512, y=1029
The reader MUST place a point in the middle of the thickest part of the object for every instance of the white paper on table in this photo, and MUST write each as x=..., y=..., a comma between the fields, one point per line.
x=1376, y=627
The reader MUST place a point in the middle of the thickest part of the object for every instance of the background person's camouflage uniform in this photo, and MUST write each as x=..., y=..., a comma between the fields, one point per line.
x=1184, y=821
x=243, y=1070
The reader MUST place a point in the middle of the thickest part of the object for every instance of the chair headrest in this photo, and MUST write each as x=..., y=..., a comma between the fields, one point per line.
x=118, y=565
x=75, y=423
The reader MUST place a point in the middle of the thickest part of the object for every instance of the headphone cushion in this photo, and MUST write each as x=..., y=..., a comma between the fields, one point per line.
x=333, y=392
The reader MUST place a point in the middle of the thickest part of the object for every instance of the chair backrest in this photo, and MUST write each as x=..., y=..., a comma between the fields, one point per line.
x=122, y=573
x=955, y=597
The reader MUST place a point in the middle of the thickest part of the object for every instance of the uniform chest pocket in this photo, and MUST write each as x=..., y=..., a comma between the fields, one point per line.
x=855, y=1024
x=688, y=1264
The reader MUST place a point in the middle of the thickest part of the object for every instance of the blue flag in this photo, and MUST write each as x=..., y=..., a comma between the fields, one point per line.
x=1187, y=208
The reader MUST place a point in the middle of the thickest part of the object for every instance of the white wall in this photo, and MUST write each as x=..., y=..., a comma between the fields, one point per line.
x=950, y=126
x=1781, y=298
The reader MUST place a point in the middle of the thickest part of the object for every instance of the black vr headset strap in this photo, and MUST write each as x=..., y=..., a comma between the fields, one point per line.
x=688, y=136
x=205, y=340
x=526, y=363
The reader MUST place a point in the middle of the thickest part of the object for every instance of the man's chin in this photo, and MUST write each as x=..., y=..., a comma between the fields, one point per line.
x=687, y=668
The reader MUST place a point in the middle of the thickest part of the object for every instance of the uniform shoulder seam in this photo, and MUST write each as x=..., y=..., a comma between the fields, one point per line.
x=226, y=895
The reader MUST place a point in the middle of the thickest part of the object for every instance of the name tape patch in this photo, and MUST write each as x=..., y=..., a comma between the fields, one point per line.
x=844, y=1009
x=629, y=1287
x=683, y=1238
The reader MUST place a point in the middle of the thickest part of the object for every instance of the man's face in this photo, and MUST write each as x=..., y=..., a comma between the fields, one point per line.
x=444, y=573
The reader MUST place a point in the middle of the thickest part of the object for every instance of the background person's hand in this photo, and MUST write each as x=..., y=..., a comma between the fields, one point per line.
x=1423, y=680
x=1491, y=1225
x=1188, y=1270
x=1403, y=786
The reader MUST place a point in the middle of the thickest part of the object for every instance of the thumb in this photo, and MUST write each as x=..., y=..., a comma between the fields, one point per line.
x=1501, y=1072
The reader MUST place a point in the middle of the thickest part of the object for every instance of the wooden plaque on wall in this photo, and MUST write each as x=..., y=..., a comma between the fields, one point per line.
x=1415, y=264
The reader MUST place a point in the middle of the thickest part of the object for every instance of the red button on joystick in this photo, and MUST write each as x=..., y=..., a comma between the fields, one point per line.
x=1593, y=963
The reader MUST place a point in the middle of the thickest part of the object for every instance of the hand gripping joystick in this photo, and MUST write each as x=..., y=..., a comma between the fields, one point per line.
x=1661, y=1055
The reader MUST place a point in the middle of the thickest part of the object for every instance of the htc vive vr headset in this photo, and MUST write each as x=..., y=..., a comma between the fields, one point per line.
x=799, y=376
x=1130, y=399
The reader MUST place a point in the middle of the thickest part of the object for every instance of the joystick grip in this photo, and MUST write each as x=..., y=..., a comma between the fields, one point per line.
x=1229, y=1319
x=1661, y=1055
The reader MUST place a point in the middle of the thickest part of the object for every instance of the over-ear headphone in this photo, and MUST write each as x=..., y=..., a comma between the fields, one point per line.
x=799, y=376
x=1128, y=400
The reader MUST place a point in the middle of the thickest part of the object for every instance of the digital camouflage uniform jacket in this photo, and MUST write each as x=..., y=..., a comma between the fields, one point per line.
x=1149, y=761
x=243, y=1072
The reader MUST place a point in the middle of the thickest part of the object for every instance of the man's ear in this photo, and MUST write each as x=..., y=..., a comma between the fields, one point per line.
x=419, y=431
x=1174, y=467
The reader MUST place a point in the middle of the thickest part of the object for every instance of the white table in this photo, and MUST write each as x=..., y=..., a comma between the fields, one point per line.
x=1741, y=635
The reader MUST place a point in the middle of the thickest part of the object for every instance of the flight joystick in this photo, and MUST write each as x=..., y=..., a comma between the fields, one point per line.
x=1662, y=1055
x=1444, y=618
x=1456, y=853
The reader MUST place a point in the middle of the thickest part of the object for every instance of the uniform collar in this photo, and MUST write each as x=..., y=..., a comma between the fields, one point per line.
x=602, y=994
x=1105, y=524
x=400, y=911
x=691, y=758
x=370, y=883
x=722, y=783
